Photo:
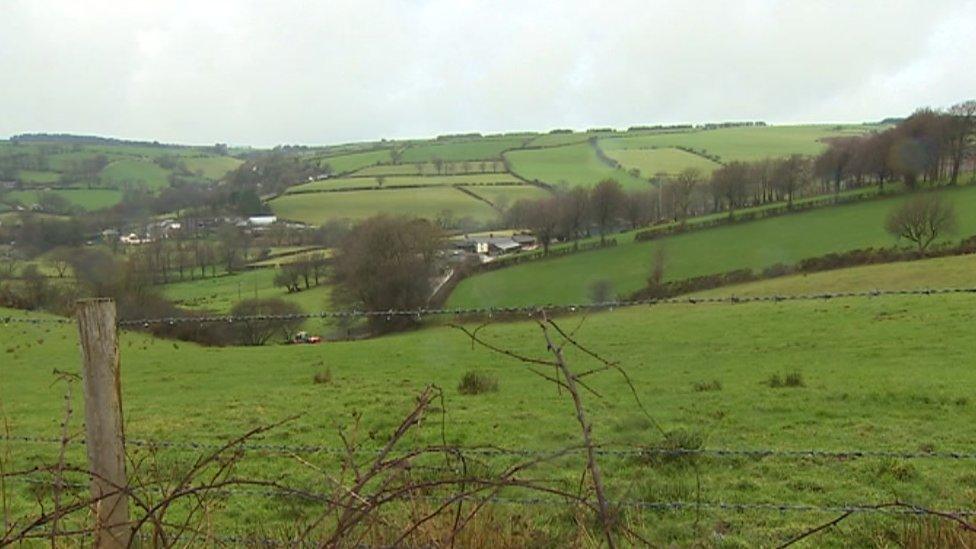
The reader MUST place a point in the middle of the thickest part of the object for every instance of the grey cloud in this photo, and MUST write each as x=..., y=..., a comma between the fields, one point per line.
x=323, y=72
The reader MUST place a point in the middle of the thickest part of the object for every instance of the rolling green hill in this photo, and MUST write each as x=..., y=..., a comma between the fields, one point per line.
x=940, y=272
x=405, y=180
x=466, y=149
x=135, y=172
x=569, y=165
x=740, y=143
x=666, y=160
x=317, y=208
x=351, y=162
x=87, y=199
x=786, y=239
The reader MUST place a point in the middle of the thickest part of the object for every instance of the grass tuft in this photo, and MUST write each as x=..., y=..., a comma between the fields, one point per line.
x=703, y=386
x=476, y=383
x=324, y=377
x=792, y=379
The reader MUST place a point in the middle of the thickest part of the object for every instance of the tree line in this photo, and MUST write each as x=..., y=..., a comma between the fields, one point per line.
x=927, y=147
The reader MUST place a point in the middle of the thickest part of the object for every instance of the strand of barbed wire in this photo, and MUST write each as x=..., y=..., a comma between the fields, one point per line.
x=526, y=452
x=524, y=309
x=663, y=505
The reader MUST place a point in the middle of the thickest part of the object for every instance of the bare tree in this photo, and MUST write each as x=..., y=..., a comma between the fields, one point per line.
x=682, y=188
x=922, y=219
x=606, y=202
x=790, y=175
x=574, y=214
x=601, y=291
x=543, y=221
x=730, y=182
x=261, y=319
x=639, y=207
x=960, y=130
x=386, y=263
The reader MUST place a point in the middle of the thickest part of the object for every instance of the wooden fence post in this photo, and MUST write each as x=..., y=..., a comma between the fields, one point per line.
x=104, y=434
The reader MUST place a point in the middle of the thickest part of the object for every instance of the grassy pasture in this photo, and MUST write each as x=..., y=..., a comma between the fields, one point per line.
x=220, y=293
x=212, y=167
x=786, y=239
x=743, y=143
x=467, y=149
x=667, y=160
x=559, y=139
x=88, y=199
x=316, y=208
x=347, y=163
x=873, y=380
x=939, y=272
x=406, y=180
x=509, y=194
x=570, y=165
x=137, y=172
x=37, y=176
x=429, y=168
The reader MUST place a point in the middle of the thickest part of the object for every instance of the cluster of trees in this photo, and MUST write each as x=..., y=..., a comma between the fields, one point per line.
x=270, y=173
x=387, y=263
x=572, y=214
x=309, y=268
x=928, y=146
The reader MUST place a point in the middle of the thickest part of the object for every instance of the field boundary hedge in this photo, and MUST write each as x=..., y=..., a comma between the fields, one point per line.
x=654, y=233
x=823, y=263
x=402, y=187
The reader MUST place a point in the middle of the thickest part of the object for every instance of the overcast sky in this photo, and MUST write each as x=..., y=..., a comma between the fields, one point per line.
x=282, y=71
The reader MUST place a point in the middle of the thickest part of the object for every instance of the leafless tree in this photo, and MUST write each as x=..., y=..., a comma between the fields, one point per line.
x=961, y=131
x=606, y=202
x=574, y=214
x=386, y=263
x=922, y=219
x=682, y=189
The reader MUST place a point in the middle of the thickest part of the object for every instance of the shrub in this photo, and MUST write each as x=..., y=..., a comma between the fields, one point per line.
x=475, y=383
x=792, y=379
x=702, y=386
x=324, y=377
x=674, y=448
x=896, y=469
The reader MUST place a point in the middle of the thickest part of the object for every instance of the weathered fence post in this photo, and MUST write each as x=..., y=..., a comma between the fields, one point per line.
x=104, y=435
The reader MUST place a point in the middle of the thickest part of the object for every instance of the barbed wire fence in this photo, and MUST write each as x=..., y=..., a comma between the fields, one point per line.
x=536, y=312
x=501, y=311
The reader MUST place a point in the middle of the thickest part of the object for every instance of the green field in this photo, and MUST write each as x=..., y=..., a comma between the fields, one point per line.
x=212, y=167
x=874, y=380
x=558, y=139
x=569, y=165
x=785, y=239
x=135, y=172
x=468, y=149
x=346, y=163
x=742, y=143
x=667, y=160
x=33, y=176
x=940, y=272
x=429, y=168
x=405, y=180
x=220, y=293
x=317, y=208
x=87, y=199
x=506, y=195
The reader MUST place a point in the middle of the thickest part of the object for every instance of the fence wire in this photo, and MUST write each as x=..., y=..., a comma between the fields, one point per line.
x=528, y=310
x=637, y=451
x=657, y=505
